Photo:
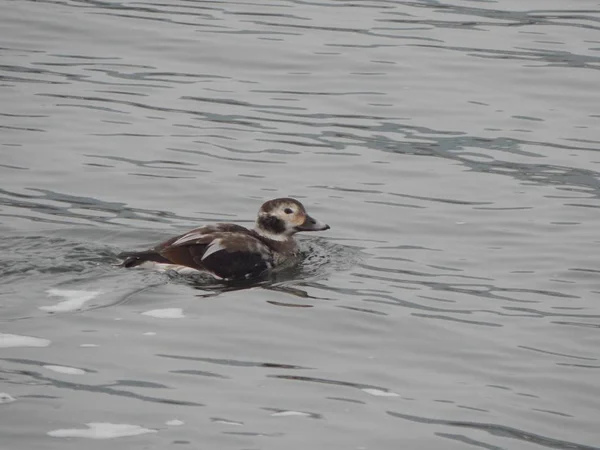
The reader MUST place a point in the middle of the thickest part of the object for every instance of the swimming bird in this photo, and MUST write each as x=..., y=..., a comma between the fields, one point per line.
x=228, y=251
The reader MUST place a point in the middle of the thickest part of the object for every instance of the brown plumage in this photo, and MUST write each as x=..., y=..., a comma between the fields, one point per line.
x=231, y=251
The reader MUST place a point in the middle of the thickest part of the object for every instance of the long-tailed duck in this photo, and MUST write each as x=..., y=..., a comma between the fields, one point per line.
x=229, y=251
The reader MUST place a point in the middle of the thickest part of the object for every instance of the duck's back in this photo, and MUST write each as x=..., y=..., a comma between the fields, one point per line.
x=226, y=250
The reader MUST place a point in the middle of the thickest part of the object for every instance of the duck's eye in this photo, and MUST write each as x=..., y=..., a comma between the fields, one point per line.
x=288, y=210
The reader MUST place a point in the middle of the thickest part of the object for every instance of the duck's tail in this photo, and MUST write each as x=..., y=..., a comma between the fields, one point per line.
x=133, y=259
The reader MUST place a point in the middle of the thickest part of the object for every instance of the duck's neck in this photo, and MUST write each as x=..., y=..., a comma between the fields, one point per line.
x=270, y=235
x=281, y=243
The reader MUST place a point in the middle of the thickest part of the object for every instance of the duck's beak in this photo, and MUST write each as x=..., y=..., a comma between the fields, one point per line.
x=311, y=224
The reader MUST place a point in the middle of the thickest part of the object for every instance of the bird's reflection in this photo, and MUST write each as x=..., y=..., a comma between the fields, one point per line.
x=284, y=281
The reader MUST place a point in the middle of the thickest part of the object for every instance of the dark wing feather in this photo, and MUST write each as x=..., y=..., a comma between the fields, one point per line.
x=203, y=231
x=236, y=264
x=188, y=254
x=133, y=259
x=227, y=255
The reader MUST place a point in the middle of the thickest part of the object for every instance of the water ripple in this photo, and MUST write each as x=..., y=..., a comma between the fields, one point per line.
x=452, y=147
x=498, y=430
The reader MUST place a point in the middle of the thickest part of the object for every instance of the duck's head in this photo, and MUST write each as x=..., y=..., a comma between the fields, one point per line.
x=280, y=218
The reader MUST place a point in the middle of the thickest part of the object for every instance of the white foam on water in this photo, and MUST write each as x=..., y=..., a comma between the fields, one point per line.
x=160, y=267
x=167, y=313
x=15, y=340
x=228, y=422
x=73, y=300
x=89, y=345
x=101, y=430
x=380, y=393
x=289, y=413
x=65, y=370
x=174, y=422
x=149, y=333
x=6, y=398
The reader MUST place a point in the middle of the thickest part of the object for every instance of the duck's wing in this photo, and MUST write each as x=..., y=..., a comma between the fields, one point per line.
x=199, y=233
x=228, y=255
x=133, y=259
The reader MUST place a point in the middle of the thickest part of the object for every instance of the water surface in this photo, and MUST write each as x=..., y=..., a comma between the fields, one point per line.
x=452, y=146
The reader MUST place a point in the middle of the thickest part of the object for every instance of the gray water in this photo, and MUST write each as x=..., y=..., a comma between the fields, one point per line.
x=452, y=146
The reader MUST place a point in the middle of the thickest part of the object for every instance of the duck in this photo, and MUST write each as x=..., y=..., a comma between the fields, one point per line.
x=231, y=252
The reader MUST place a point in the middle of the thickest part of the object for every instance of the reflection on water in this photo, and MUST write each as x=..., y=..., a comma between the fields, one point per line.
x=451, y=145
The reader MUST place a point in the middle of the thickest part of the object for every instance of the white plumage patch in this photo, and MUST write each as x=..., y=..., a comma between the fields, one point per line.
x=215, y=246
x=189, y=237
x=273, y=236
x=162, y=267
